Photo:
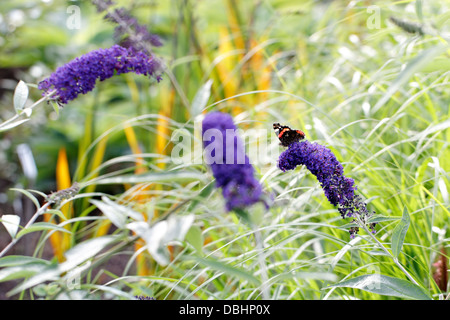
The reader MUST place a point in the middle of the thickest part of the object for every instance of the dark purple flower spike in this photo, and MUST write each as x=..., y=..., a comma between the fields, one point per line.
x=321, y=162
x=231, y=167
x=79, y=76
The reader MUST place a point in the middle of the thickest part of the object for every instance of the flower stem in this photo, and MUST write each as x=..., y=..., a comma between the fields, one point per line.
x=265, y=289
x=30, y=222
x=34, y=105
x=363, y=225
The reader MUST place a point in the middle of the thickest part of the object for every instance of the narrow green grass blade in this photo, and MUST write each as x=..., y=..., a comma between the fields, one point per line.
x=167, y=176
x=415, y=65
x=229, y=270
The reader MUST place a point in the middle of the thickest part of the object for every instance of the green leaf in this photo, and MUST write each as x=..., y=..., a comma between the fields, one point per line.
x=163, y=232
x=399, y=234
x=11, y=261
x=201, y=99
x=11, y=223
x=48, y=273
x=55, y=108
x=115, y=212
x=41, y=226
x=385, y=285
x=29, y=195
x=349, y=225
x=20, y=96
x=21, y=271
x=57, y=213
x=13, y=124
x=419, y=10
x=84, y=251
x=195, y=238
x=379, y=218
x=374, y=219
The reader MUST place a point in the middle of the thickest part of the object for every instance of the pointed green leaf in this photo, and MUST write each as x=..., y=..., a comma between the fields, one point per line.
x=21, y=271
x=29, y=195
x=116, y=213
x=399, y=234
x=201, y=99
x=48, y=273
x=379, y=218
x=84, y=251
x=110, y=210
x=41, y=226
x=57, y=213
x=195, y=238
x=11, y=261
x=385, y=285
x=11, y=223
x=55, y=108
x=163, y=232
x=12, y=125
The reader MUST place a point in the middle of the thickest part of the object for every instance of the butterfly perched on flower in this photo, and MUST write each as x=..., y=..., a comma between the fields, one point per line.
x=287, y=135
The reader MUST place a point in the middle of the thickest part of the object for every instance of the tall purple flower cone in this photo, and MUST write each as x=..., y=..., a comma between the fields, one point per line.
x=321, y=162
x=225, y=153
x=79, y=76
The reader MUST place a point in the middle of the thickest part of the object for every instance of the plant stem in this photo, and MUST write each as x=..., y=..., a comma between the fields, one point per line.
x=265, y=279
x=30, y=222
x=34, y=105
x=363, y=225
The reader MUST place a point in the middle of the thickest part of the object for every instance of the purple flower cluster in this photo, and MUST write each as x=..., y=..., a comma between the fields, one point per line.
x=128, y=32
x=79, y=76
x=321, y=162
x=229, y=164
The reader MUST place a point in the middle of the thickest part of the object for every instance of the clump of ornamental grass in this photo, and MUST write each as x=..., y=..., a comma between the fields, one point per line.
x=339, y=189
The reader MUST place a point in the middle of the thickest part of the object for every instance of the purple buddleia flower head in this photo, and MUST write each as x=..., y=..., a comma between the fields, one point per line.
x=321, y=162
x=79, y=76
x=225, y=153
x=128, y=32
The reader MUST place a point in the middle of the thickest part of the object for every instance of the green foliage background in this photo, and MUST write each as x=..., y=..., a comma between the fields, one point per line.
x=344, y=73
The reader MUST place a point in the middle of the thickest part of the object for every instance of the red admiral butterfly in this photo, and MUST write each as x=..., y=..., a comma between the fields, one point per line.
x=287, y=135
